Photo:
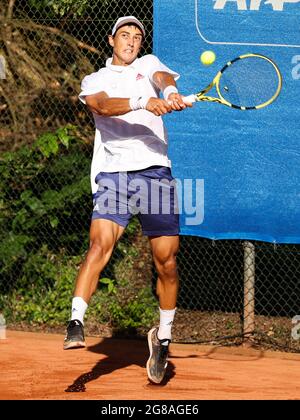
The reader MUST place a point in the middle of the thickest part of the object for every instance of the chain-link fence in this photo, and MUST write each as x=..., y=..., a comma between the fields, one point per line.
x=241, y=291
x=230, y=290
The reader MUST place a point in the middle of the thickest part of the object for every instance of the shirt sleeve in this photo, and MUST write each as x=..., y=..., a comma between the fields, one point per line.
x=90, y=85
x=156, y=65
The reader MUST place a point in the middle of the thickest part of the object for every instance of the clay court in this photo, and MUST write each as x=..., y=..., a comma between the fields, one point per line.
x=34, y=366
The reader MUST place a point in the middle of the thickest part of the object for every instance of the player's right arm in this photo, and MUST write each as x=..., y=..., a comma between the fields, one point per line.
x=101, y=104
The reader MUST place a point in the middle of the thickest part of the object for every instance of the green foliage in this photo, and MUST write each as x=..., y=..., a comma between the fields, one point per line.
x=65, y=7
x=42, y=191
x=39, y=191
x=111, y=286
x=43, y=296
x=139, y=311
x=43, y=290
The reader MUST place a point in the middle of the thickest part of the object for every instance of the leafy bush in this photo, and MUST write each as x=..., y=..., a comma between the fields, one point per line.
x=43, y=293
x=44, y=190
x=137, y=312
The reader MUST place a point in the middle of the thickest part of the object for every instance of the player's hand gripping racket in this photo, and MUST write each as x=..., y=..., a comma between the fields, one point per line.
x=250, y=81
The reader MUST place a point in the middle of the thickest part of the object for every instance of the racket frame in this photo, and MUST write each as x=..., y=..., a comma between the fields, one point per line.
x=201, y=96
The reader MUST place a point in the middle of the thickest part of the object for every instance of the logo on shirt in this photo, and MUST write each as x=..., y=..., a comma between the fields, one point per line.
x=139, y=77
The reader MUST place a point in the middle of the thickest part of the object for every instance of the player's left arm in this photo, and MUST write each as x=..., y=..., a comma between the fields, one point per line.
x=167, y=84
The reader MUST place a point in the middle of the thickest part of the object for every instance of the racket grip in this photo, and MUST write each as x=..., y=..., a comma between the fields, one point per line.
x=189, y=99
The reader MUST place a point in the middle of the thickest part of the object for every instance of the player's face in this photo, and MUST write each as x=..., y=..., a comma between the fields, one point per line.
x=126, y=45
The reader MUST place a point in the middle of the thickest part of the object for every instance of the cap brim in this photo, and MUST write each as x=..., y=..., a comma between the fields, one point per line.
x=132, y=21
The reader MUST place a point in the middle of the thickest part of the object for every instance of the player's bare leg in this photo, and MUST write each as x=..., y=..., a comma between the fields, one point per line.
x=103, y=236
x=164, y=250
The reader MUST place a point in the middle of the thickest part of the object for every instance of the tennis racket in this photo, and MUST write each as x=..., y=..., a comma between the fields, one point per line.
x=250, y=81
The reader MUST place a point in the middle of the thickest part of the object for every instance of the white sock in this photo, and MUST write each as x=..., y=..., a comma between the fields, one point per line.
x=79, y=306
x=166, y=317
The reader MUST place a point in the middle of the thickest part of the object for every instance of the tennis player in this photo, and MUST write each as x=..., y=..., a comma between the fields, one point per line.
x=131, y=149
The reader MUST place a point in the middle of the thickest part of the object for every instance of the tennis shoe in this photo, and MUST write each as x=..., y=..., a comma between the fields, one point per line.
x=157, y=362
x=75, y=335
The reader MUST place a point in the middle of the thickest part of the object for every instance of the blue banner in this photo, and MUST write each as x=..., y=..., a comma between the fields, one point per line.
x=238, y=172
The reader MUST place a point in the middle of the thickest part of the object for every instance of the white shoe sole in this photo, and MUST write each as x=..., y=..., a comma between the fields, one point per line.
x=74, y=345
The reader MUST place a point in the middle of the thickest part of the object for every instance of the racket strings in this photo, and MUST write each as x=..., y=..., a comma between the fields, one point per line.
x=249, y=82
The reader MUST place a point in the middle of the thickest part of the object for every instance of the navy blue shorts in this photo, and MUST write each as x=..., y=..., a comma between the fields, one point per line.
x=149, y=193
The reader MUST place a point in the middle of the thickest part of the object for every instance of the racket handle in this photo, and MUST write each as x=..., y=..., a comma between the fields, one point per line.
x=189, y=99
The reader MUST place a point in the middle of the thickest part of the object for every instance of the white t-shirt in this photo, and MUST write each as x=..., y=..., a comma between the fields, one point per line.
x=135, y=140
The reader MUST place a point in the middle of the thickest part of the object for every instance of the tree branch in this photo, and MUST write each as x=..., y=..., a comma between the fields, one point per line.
x=62, y=34
x=10, y=9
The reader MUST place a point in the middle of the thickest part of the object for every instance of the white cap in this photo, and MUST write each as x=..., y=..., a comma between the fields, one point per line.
x=128, y=19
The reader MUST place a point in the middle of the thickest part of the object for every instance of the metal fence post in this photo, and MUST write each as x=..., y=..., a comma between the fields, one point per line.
x=249, y=287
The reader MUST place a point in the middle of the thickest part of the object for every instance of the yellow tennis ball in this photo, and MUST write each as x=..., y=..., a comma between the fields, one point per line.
x=207, y=58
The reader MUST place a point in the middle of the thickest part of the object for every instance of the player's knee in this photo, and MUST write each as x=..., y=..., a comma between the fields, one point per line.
x=167, y=266
x=98, y=253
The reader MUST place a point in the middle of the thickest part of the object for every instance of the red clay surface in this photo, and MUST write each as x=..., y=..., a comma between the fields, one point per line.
x=34, y=366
